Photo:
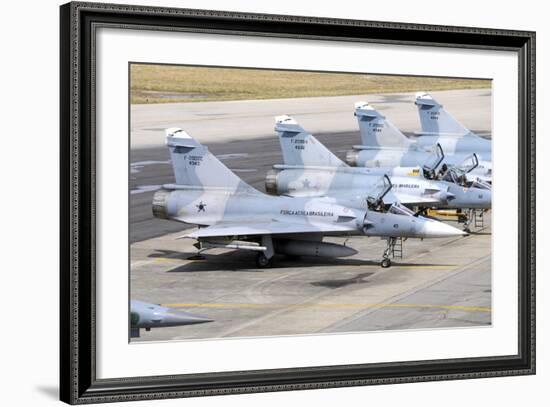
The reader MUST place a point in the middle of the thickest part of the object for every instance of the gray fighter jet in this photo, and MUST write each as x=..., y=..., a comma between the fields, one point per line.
x=231, y=214
x=310, y=169
x=438, y=126
x=383, y=145
x=147, y=316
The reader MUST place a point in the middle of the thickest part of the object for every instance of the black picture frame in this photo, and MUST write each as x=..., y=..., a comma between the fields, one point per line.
x=78, y=381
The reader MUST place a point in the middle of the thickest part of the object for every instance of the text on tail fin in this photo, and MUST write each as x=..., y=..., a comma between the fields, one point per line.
x=434, y=119
x=300, y=148
x=195, y=166
x=375, y=130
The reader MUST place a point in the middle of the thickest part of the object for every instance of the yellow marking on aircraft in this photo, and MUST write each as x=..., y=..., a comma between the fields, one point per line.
x=331, y=306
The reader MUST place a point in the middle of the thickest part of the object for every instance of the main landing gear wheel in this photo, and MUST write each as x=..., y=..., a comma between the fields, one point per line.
x=385, y=263
x=262, y=261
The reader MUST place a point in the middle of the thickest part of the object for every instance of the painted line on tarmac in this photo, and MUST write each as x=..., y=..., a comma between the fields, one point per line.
x=399, y=297
x=327, y=306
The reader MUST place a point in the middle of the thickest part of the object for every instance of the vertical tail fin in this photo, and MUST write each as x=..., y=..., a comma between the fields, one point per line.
x=435, y=120
x=376, y=131
x=301, y=148
x=195, y=166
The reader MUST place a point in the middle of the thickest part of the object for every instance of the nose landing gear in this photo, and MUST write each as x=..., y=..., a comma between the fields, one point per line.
x=474, y=216
x=390, y=251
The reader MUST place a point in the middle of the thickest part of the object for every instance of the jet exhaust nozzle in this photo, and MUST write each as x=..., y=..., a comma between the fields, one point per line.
x=271, y=182
x=160, y=204
x=351, y=157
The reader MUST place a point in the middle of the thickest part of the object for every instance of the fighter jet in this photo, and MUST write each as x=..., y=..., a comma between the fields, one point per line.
x=231, y=214
x=310, y=169
x=383, y=145
x=145, y=315
x=438, y=126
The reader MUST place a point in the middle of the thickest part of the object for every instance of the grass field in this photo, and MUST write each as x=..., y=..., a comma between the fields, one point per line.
x=167, y=83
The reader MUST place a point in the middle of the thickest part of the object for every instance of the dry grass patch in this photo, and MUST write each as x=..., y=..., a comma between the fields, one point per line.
x=166, y=83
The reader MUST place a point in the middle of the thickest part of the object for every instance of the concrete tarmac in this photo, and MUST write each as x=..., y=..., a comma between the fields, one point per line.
x=434, y=286
x=215, y=122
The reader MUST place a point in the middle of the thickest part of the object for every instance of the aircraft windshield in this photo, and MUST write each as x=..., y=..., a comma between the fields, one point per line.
x=458, y=173
x=477, y=183
x=399, y=209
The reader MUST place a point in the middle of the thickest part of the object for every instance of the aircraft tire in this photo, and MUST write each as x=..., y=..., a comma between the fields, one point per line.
x=262, y=261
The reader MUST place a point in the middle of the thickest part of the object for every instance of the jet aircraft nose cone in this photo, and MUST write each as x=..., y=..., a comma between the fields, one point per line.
x=182, y=318
x=435, y=228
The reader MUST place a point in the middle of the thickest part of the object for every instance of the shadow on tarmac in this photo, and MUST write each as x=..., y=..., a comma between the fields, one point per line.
x=244, y=262
x=358, y=279
x=169, y=254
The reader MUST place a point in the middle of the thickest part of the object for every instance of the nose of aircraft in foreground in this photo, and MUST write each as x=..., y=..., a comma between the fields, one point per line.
x=434, y=228
x=182, y=318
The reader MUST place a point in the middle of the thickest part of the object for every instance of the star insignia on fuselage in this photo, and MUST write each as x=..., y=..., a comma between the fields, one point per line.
x=306, y=183
x=201, y=207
